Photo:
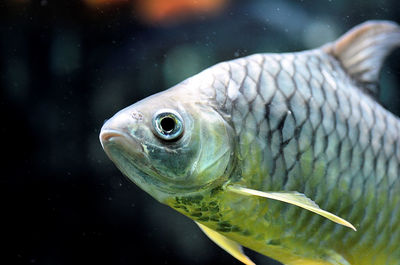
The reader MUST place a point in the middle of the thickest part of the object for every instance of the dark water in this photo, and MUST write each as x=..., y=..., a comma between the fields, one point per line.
x=65, y=68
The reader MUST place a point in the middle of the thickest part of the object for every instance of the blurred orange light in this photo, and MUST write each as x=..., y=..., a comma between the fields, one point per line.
x=162, y=10
x=95, y=3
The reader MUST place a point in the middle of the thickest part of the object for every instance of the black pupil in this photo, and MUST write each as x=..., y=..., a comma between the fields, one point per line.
x=167, y=124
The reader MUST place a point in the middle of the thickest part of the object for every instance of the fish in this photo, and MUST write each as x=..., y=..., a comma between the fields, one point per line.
x=288, y=154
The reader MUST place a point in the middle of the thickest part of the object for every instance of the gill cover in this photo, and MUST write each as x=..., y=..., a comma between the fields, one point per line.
x=201, y=155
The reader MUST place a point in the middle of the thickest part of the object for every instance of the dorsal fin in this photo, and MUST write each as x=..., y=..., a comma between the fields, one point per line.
x=363, y=49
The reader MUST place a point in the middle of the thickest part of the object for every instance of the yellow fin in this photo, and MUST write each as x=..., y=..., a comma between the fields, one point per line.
x=228, y=245
x=295, y=198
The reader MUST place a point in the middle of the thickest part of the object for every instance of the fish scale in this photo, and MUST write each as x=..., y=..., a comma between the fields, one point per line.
x=267, y=151
x=330, y=130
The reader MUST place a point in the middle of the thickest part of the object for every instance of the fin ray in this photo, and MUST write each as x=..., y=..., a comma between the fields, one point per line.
x=363, y=49
x=294, y=198
x=226, y=244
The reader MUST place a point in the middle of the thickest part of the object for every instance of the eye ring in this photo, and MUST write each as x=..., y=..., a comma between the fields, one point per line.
x=167, y=124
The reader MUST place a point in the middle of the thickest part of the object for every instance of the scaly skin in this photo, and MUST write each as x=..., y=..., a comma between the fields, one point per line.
x=302, y=125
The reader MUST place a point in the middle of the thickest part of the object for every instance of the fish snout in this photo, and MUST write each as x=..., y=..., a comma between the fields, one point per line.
x=117, y=129
x=111, y=139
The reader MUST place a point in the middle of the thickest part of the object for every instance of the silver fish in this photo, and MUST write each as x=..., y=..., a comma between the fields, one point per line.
x=280, y=153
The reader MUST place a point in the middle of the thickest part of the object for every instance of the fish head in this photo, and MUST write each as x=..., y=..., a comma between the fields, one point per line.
x=170, y=144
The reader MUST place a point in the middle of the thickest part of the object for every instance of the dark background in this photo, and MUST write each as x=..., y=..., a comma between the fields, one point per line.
x=65, y=67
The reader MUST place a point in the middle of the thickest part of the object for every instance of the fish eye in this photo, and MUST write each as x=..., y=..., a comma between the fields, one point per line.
x=167, y=124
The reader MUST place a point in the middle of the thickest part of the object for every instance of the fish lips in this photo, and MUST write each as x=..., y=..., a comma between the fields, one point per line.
x=116, y=137
x=129, y=155
x=125, y=151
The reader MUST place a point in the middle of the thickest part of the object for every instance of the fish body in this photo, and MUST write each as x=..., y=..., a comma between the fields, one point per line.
x=303, y=126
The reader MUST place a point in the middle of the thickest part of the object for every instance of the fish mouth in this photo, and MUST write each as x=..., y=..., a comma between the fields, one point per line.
x=125, y=152
x=112, y=136
x=129, y=155
x=107, y=135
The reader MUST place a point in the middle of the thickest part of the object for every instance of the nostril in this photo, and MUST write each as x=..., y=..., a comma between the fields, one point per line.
x=137, y=116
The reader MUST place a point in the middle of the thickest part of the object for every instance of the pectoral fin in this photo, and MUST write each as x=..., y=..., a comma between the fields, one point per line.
x=292, y=197
x=228, y=245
